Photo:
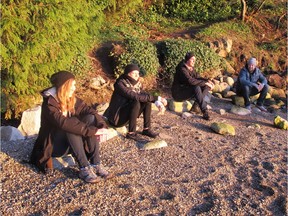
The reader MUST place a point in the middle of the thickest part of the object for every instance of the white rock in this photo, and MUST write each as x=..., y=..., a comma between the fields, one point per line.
x=30, y=121
x=155, y=144
x=9, y=133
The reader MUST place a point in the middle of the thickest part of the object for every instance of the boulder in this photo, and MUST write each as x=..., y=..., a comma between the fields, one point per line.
x=63, y=162
x=240, y=110
x=223, y=128
x=155, y=144
x=277, y=93
x=179, y=107
x=9, y=133
x=229, y=80
x=186, y=115
x=228, y=94
x=276, y=80
x=30, y=121
x=281, y=122
x=97, y=83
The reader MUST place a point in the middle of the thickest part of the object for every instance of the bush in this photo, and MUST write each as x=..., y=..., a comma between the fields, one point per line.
x=199, y=11
x=172, y=51
x=38, y=40
x=140, y=52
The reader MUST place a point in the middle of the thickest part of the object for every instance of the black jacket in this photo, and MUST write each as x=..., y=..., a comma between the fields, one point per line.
x=126, y=90
x=184, y=78
x=52, y=119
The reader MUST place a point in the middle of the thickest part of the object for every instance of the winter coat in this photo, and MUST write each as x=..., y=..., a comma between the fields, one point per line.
x=126, y=90
x=185, y=78
x=250, y=79
x=52, y=119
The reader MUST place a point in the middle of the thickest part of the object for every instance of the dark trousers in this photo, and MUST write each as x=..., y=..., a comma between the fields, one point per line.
x=85, y=149
x=189, y=92
x=131, y=112
x=246, y=91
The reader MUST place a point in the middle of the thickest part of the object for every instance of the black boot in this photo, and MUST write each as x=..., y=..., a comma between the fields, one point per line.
x=206, y=115
x=195, y=108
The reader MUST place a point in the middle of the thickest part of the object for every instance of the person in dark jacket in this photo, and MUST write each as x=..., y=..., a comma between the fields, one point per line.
x=68, y=125
x=187, y=84
x=128, y=101
x=251, y=82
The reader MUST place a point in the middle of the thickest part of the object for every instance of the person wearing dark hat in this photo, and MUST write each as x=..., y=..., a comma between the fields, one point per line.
x=251, y=82
x=68, y=125
x=128, y=101
x=187, y=84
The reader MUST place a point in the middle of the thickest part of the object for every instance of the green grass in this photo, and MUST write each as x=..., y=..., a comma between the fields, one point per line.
x=222, y=29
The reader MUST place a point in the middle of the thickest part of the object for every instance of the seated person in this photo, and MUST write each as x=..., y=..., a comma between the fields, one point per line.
x=68, y=125
x=251, y=82
x=128, y=101
x=187, y=84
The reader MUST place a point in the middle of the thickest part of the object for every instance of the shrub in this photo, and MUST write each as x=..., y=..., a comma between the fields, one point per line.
x=199, y=11
x=140, y=52
x=172, y=51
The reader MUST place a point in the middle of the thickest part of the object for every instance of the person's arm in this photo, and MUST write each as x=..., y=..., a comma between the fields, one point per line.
x=185, y=77
x=262, y=79
x=130, y=94
x=243, y=79
x=69, y=124
x=84, y=109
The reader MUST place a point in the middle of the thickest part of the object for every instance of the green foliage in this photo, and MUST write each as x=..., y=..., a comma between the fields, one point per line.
x=199, y=10
x=173, y=51
x=38, y=39
x=218, y=30
x=140, y=52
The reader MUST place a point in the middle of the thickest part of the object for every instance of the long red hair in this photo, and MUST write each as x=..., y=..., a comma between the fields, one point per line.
x=67, y=103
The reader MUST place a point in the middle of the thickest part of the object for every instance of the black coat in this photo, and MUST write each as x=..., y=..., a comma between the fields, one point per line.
x=125, y=91
x=185, y=78
x=53, y=119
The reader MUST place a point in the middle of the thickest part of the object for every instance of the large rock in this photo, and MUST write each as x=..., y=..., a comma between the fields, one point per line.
x=155, y=144
x=240, y=110
x=223, y=128
x=276, y=80
x=239, y=100
x=30, y=121
x=9, y=133
x=281, y=123
x=180, y=107
x=277, y=93
x=63, y=162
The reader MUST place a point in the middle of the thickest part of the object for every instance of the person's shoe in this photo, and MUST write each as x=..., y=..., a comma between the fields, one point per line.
x=206, y=115
x=195, y=108
x=262, y=108
x=100, y=170
x=149, y=133
x=248, y=108
x=134, y=136
x=88, y=175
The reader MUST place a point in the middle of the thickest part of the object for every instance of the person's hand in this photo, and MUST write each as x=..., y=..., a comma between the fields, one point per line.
x=260, y=87
x=101, y=131
x=210, y=84
x=101, y=134
x=162, y=100
x=160, y=106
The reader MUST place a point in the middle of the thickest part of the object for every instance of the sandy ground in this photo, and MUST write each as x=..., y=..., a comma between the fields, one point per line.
x=199, y=173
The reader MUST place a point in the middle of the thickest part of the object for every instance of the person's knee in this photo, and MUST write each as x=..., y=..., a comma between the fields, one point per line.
x=136, y=105
x=89, y=119
x=265, y=88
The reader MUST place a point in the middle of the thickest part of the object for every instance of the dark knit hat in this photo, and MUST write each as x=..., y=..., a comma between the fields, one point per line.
x=131, y=67
x=59, y=78
x=188, y=56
